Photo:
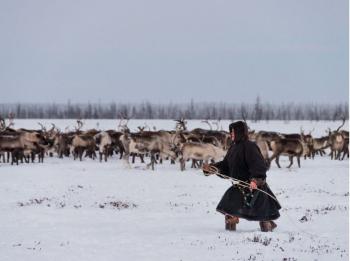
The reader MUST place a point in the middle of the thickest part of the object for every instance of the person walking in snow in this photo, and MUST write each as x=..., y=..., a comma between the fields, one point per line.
x=245, y=163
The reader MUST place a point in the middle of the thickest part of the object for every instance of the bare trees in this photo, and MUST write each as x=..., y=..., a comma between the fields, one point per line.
x=256, y=111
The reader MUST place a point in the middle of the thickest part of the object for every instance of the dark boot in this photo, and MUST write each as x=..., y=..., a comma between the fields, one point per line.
x=230, y=222
x=265, y=226
x=273, y=225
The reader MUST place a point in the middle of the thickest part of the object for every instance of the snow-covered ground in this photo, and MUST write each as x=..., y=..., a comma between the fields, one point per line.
x=70, y=210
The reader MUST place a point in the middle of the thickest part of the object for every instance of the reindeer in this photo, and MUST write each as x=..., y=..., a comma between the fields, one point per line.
x=262, y=144
x=83, y=142
x=308, y=140
x=63, y=143
x=267, y=136
x=319, y=145
x=289, y=147
x=213, y=136
x=346, y=145
x=104, y=142
x=36, y=142
x=5, y=130
x=16, y=143
x=160, y=142
x=130, y=147
x=200, y=152
x=12, y=144
x=337, y=141
x=116, y=144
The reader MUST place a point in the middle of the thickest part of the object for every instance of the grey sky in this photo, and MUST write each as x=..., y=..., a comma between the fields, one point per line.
x=162, y=51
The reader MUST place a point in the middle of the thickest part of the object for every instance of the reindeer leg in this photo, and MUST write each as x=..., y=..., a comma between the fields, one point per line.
x=338, y=155
x=12, y=157
x=151, y=163
x=200, y=164
x=278, y=161
x=81, y=151
x=298, y=159
x=346, y=153
x=182, y=164
x=193, y=165
x=153, y=160
x=291, y=161
x=274, y=155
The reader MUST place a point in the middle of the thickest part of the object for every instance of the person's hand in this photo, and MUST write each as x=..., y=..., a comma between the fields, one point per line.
x=253, y=185
x=208, y=169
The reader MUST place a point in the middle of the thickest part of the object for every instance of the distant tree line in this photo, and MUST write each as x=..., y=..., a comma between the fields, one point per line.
x=192, y=110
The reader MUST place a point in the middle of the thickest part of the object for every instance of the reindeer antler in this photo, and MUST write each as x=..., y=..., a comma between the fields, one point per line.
x=53, y=128
x=11, y=117
x=123, y=118
x=311, y=131
x=42, y=127
x=181, y=124
x=343, y=119
x=207, y=122
x=217, y=124
x=80, y=125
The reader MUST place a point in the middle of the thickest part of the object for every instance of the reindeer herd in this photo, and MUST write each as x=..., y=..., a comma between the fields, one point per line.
x=179, y=145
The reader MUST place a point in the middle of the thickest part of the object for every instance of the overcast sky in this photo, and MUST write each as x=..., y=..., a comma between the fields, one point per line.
x=161, y=51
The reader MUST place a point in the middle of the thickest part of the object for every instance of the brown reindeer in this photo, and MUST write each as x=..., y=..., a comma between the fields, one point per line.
x=288, y=147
